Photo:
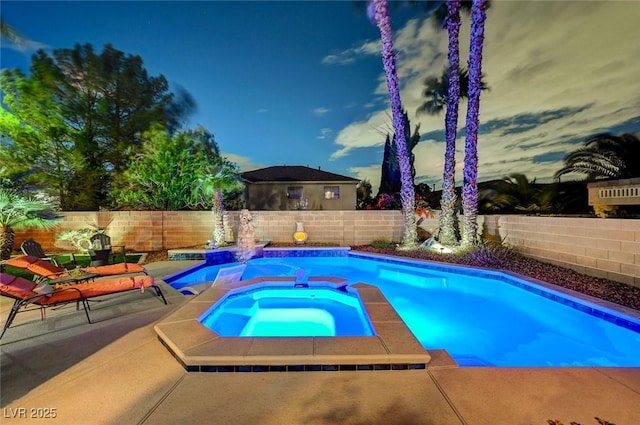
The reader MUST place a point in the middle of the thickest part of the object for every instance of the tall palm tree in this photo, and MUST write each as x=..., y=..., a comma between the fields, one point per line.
x=21, y=212
x=448, y=201
x=470, y=169
x=379, y=10
x=605, y=156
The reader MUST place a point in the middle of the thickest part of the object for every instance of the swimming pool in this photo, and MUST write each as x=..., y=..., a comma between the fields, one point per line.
x=292, y=311
x=482, y=318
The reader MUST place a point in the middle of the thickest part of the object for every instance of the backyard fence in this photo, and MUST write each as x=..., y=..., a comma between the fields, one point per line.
x=608, y=248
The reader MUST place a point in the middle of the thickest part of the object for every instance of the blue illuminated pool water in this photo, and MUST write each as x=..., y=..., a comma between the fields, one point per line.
x=480, y=318
x=286, y=312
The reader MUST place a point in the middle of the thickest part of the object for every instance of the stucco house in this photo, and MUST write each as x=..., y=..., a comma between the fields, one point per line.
x=281, y=188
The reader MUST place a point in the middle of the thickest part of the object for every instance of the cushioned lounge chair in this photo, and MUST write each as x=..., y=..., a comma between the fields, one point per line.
x=25, y=292
x=225, y=276
x=45, y=269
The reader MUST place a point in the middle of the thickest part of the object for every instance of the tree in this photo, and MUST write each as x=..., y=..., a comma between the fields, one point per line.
x=173, y=172
x=219, y=176
x=436, y=90
x=100, y=106
x=516, y=193
x=447, y=91
x=390, y=177
x=21, y=212
x=448, y=201
x=470, y=169
x=379, y=10
x=605, y=156
x=37, y=142
x=364, y=196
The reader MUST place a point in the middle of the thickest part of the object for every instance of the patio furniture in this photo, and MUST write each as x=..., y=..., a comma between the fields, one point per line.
x=25, y=292
x=102, y=252
x=224, y=277
x=33, y=248
x=46, y=270
x=99, y=257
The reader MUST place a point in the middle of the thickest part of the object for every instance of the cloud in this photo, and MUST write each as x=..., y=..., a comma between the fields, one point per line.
x=362, y=134
x=349, y=56
x=262, y=111
x=371, y=172
x=243, y=162
x=320, y=111
x=324, y=133
x=552, y=84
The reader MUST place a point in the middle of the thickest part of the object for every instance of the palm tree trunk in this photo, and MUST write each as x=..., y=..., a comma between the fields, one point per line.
x=447, y=204
x=7, y=238
x=470, y=171
x=219, y=238
x=407, y=192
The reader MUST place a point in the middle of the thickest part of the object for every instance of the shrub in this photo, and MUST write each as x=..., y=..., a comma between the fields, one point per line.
x=381, y=244
x=489, y=255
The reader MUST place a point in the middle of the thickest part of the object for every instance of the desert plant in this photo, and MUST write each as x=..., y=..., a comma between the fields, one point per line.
x=489, y=254
x=381, y=243
x=22, y=212
x=79, y=238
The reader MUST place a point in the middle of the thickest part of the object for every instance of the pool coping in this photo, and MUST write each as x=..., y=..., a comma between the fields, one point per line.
x=199, y=349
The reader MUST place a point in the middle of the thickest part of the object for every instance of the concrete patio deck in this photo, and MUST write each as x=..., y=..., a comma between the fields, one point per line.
x=115, y=371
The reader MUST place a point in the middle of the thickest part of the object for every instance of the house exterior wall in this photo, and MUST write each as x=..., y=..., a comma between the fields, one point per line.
x=272, y=196
x=615, y=192
x=608, y=248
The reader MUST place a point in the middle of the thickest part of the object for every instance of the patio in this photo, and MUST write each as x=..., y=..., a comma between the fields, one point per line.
x=116, y=371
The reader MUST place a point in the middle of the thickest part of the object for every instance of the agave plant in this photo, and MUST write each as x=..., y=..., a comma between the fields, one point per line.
x=22, y=212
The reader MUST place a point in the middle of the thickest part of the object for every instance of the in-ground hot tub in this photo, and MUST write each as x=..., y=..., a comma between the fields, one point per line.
x=289, y=311
x=381, y=341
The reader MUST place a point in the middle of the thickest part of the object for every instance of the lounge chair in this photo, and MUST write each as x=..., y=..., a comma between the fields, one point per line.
x=33, y=248
x=25, y=292
x=224, y=277
x=45, y=269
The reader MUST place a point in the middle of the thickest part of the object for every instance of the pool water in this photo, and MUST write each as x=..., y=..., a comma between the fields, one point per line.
x=286, y=312
x=481, y=318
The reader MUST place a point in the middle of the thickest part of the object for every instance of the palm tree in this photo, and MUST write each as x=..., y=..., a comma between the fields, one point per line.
x=605, y=156
x=448, y=201
x=379, y=10
x=223, y=176
x=470, y=170
x=448, y=90
x=516, y=193
x=21, y=212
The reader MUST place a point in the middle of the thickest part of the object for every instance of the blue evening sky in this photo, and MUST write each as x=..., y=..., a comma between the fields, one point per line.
x=301, y=83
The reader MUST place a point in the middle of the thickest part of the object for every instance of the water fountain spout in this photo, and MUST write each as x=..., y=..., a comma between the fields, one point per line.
x=301, y=279
x=246, y=237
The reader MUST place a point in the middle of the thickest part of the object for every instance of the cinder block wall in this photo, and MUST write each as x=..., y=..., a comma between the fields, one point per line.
x=607, y=248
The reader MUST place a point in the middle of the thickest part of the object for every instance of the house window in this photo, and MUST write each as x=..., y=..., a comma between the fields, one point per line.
x=294, y=192
x=332, y=192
